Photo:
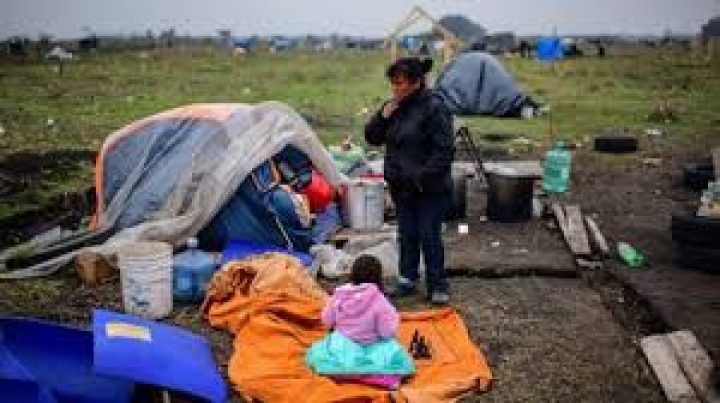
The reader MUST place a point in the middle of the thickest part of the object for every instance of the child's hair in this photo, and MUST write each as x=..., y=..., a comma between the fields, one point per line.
x=367, y=269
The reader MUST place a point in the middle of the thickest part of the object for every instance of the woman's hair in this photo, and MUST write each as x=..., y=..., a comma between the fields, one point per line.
x=367, y=269
x=413, y=68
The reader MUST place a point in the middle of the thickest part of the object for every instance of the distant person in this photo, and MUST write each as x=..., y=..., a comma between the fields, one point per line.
x=415, y=126
x=600, y=50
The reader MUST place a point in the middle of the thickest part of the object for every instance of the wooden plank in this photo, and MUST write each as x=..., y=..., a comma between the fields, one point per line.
x=560, y=217
x=668, y=372
x=577, y=236
x=597, y=237
x=695, y=363
x=716, y=162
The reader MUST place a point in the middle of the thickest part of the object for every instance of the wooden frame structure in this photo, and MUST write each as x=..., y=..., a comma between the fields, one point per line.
x=452, y=43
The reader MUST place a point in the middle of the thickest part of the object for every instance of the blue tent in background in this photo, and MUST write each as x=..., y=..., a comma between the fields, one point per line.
x=550, y=49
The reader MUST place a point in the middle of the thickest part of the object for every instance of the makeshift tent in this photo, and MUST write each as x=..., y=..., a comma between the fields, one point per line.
x=476, y=83
x=169, y=176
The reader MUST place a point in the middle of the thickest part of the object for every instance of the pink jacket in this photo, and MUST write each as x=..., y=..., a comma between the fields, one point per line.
x=361, y=312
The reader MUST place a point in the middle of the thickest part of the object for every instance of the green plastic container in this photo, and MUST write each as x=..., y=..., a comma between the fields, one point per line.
x=556, y=177
x=629, y=255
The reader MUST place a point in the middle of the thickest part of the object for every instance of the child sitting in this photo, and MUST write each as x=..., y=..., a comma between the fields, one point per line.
x=362, y=345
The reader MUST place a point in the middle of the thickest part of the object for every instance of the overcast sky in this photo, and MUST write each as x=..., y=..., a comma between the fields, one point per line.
x=67, y=18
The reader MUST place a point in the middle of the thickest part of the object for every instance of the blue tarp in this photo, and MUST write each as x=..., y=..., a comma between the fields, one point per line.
x=549, y=49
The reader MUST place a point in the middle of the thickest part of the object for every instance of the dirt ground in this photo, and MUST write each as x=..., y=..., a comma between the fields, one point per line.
x=549, y=331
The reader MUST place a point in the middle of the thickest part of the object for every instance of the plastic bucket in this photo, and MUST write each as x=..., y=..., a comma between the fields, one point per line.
x=510, y=198
x=364, y=204
x=146, y=278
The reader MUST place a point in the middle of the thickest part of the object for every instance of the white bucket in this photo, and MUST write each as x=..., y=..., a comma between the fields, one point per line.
x=146, y=278
x=364, y=204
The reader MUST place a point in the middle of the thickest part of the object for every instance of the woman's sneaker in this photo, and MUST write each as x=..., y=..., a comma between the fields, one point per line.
x=404, y=288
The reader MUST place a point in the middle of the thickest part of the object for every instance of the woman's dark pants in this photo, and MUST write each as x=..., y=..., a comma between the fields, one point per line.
x=420, y=217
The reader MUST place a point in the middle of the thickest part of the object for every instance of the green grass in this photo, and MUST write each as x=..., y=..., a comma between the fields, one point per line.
x=101, y=93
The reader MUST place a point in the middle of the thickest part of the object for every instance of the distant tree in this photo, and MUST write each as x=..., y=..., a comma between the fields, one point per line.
x=44, y=42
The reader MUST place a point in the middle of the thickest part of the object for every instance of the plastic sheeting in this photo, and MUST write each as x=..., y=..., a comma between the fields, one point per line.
x=165, y=177
x=550, y=49
x=476, y=83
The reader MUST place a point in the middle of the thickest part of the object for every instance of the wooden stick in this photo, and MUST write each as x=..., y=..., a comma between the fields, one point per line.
x=596, y=236
x=577, y=236
x=560, y=217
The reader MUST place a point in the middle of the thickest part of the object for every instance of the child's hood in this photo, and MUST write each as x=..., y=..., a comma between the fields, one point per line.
x=355, y=299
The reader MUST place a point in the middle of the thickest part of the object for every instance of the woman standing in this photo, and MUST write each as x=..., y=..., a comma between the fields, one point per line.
x=416, y=128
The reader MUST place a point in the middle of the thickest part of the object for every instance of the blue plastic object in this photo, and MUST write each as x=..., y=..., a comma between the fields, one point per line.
x=237, y=250
x=145, y=351
x=192, y=271
x=48, y=363
x=549, y=49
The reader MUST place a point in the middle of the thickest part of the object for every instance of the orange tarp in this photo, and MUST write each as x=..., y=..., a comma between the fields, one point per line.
x=273, y=307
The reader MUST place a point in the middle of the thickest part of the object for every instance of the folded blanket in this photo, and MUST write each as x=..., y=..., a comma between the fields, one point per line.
x=337, y=354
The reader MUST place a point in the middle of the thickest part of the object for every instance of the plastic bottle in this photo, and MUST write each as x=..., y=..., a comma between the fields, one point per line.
x=631, y=256
x=192, y=271
x=557, y=169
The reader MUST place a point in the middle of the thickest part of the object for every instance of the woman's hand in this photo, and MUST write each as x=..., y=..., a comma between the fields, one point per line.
x=389, y=108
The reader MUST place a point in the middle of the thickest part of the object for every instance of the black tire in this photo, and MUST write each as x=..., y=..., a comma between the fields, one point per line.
x=697, y=258
x=692, y=230
x=696, y=176
x=616, y=144
x=458, y=199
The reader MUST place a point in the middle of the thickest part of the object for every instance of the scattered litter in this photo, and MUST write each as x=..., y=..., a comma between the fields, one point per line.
x=143, y=55
x=519, y=251
x=654, y=132
x=463, y=229
x=246, y=90
x=495, y=244
x=50, y=122
x=655, y=162
x=130, y=98
x=629, y=255
x=483, y=218
x=2, y=130
x=329, y=262
x=58, y=53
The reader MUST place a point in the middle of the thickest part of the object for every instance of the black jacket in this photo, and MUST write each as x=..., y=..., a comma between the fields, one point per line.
x=420, y=144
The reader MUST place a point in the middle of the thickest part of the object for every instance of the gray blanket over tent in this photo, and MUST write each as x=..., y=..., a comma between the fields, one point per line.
x=166, y=177
x=476, y=83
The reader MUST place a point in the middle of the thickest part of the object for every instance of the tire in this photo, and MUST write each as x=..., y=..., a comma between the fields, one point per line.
x=458, y=199
x=616, y=144
x=697, y=258
x=696, y=231
x=696, y=176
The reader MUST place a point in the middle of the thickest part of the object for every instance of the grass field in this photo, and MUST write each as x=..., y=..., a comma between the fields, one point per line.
x=44, y=110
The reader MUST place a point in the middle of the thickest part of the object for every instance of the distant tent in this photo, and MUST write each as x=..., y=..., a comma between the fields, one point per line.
x=476, y=83
x=550, y=49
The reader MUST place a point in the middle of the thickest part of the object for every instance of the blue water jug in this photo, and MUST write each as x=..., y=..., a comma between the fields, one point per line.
x=557, y=169
x=192, y=271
